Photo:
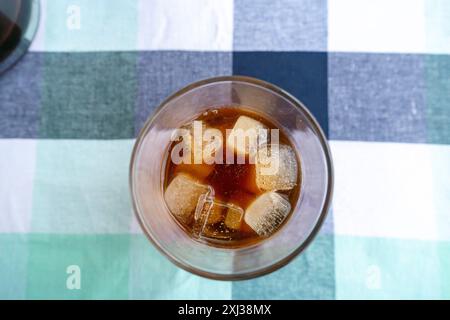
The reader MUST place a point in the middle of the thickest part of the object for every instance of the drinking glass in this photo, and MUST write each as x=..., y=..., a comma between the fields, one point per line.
x=147, y=173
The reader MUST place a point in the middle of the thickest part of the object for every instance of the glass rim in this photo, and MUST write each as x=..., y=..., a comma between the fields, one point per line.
x=28, y=35
x=326, y=204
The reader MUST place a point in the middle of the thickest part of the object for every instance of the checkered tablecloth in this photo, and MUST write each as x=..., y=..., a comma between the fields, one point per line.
x=376, y=74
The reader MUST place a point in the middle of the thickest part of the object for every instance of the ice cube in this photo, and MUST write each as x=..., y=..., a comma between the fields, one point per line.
x=182, y=196
x=267, y=212
x=215, y=214
x=208, y=211
x=246, y=135
x=205, y=213
x=200, y=171
x=233, y=218
x=276, y=168
x=215, y=220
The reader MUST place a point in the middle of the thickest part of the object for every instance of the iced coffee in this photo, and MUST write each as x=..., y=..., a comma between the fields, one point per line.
x=232, y=177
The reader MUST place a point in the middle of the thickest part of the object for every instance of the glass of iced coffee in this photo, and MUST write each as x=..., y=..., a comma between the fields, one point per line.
x=231, y=178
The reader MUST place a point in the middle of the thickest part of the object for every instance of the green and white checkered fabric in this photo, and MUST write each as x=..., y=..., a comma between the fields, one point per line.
x=376, y=74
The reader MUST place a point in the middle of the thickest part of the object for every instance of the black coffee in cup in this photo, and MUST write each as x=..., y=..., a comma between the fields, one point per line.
x=14, y=21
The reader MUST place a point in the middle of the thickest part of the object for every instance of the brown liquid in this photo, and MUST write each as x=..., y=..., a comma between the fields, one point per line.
x=232, y=183
x=14, y=17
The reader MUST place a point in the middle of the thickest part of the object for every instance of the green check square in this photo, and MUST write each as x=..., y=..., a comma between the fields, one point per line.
x=377, y=268
x=153, y=276
x=13, y=265
x=309, y=276
x=437, y=26
x=88, y=95
x=60, y=264
x=86, y=25
x=437, y=68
